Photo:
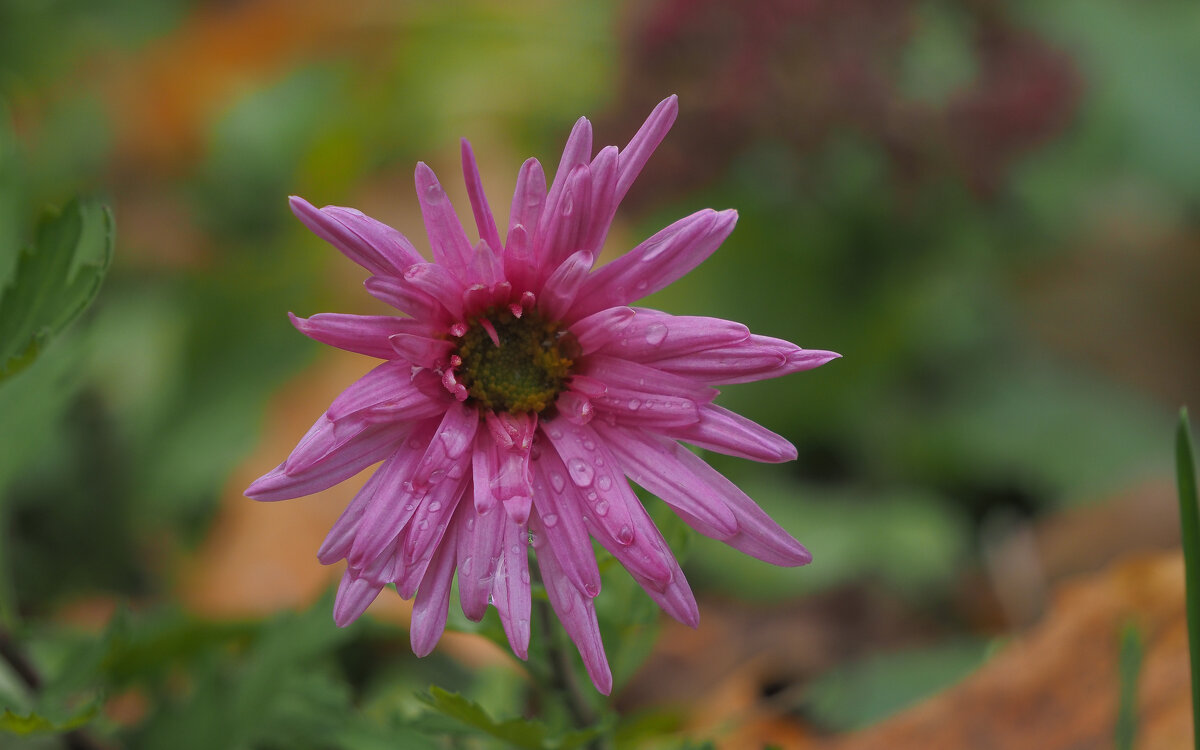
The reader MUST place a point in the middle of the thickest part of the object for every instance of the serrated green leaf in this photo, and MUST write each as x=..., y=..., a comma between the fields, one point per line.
x=524, y=733
x=35, y=723
x=57, y=277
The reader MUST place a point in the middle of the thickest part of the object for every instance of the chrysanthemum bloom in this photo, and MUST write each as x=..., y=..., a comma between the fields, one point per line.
x=520, y=393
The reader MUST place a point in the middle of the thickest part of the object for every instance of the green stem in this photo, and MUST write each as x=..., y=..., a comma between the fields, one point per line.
x=1189, y=514
x=562, y=677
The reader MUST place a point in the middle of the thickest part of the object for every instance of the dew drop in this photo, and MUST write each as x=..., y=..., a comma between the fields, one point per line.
x=437, y=475
x=424, y=524
x=515, y=549
x=599, y=461
x=434, y=192
x=591, y=496
x=581, y=474
x=655, y=334
x=589, y=444
x=640, y=286
x=602, y=508
x=634, y=404
x=591, y=589
x=625, y=536
x=464, y=567
x=604, y=482
x=470, y=524
x=435, y=506
x=551, y=520
x=557, y=481
x=653, y=250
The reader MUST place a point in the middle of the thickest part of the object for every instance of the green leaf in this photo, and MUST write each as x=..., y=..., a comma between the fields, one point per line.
x=57, y=277
x=1189, y=517
x=35, y=723
x=524, y=733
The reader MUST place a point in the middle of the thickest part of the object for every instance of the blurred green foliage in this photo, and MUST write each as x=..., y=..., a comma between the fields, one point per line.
x=945, y=411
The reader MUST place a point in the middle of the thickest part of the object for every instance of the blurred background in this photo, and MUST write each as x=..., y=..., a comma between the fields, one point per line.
x=991, y=209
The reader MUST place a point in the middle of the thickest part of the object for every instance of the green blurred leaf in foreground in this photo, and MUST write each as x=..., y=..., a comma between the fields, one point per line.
x=56, y=278
x=523, y=733
x=35, y=723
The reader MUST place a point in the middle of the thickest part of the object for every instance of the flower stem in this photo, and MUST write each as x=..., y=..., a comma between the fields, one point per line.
x=563, y=682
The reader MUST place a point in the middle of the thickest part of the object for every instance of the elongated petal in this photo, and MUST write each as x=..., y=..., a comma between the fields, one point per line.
x=393, y=502
x=361, y=334
x=655, y=464
x=725, y=432
x=656, y=263
x=354, y=595
x=651, y=336
x=433, y=600
x=368, y=447
x=604, y=201
x=373, y=245
x=637, y=394
x=758, y=535
x=510, y=587
x=564, y=284
x=432, y=518
x=574, y=610
x=341, y=536
x=635, y=155
x=421, y=351
x=390, y=383
x=439, y=283
x=562, y=221
x=454, y=436
x=480, y=541
x=610, y=511
x=447, y=240
x=528, y=200
x=563, y=523
x=407, y=299
x=484, y=221
x=755, y=358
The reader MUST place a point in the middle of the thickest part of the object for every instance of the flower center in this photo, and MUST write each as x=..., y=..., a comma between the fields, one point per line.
x=525, y=371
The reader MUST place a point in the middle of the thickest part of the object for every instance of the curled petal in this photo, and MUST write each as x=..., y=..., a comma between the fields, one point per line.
x=449, y=242
x=361, y=334
x=367, y=447
x=480, y=541
x=484, y=221
x=635, y=155
x=369, y=243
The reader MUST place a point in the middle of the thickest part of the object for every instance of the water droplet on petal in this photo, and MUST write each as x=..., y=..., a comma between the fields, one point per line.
x=424, y=524
x=551, y=520
x=409, y=507
x=604, y=482
x=581, y=474
x=464, y=567
x=515, y=549
x=634, y=404
x=655, y=334
x=435, y=506
x=591, y=589
x=652, y=250
x=557, y=481
x=437, y=475
x=589, y=444
x=625, y=536
x=602, y=508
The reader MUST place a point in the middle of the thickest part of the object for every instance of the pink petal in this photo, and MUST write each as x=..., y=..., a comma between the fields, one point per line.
x=561, y=519
x=676, y=598
x=510, y=587
x=433, y=600
x=341, y=536
x=369, y=243
x=725, y=432
x=656, y=263
x=528, y=199
x=408, y=299
x=484, y=221
x=361, y=334
x=353, y=597
x=440, y=283
x=558, y=235
x=389, y=384
x=604, y=201
x=366, y=448
x=562, y=286
x=655, y=464
x=635, y=155
x=480, y=542
x=449, y=242
x=756, y=358
x=454, y=436
x=758, y=535
x=421, y=350
x=639, y=395
x=574, y=610
x=393, y=502
x=611, y=512
x=651, y=336
x=429, y=523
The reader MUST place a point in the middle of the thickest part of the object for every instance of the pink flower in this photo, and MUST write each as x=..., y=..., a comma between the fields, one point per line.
x=520, y=392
